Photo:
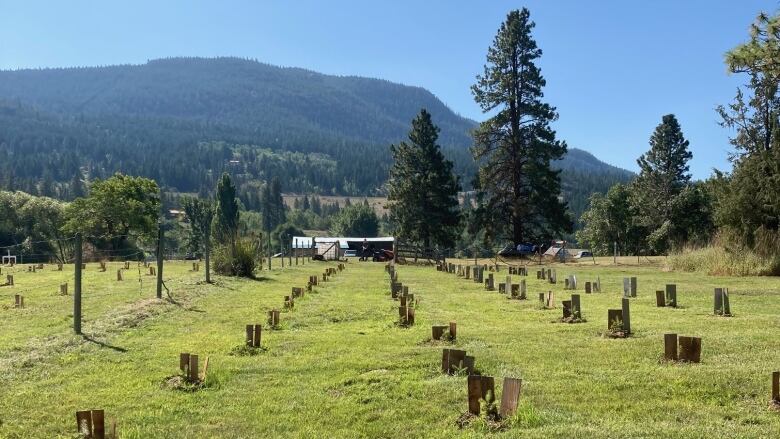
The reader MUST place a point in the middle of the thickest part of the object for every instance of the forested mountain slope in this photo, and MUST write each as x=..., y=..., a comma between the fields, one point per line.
x=182, y=121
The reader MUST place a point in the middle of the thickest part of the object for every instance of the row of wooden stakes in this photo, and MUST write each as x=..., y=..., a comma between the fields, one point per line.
x=90, y=423
x=407, y=302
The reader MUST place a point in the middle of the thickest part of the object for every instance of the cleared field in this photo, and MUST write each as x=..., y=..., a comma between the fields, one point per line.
x=340, y=367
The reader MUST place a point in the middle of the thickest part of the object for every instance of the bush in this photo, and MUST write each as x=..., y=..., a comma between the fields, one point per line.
x=243, y=263
x=717, y=260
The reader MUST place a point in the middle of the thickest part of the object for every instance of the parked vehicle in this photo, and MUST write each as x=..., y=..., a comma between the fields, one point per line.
x=382, y=256
x=525, y=249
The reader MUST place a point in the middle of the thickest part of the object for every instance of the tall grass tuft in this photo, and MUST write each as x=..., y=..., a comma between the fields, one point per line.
x=242, y=262
x=719, y=261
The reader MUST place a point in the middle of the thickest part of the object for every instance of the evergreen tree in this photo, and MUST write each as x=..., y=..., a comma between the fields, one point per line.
x=306, y=205
x=225, y=227
x=662, y=177
x=516, y=145
x=277, y=203
x=423, y=191
x=200, y=214
x=274, y=210
x=77, y=189
x=748, y=200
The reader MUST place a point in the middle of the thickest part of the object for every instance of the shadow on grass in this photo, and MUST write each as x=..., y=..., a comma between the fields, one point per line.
x=103, y=344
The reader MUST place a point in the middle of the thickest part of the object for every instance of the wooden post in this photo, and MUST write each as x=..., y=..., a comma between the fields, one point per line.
x=257, y=333
x=566, y=308
x=270, y=250
x=250, y=331
x=660, y=299
x=671, y=295
x=273, y=318
x=690, y=349
x=576, y=310
x=295, y=250
x=474, y=384
x=64, y=289
x=718, y=299
x=119, y=275
x=160, y=235
x=184, y=363
x=633, y=287
x=77, y=286
x=437, y=331
x=193, y=367
x=726, y=304
x=588, y=288
x=670, y=347
x=626, y=316
x=776, y=387
x=614, y=316
x=453, y=330
x=510, y=395
x=522, y=289
x=626, y=287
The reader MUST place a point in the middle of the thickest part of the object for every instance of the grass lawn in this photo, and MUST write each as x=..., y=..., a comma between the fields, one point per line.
x=340, y=367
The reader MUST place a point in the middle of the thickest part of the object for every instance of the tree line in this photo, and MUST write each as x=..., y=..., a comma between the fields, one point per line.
x=664, y=211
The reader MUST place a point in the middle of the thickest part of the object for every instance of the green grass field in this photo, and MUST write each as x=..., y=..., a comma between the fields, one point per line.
x=340, y=367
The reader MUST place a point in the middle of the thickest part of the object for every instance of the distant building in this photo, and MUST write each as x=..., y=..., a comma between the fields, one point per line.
x=335, y=247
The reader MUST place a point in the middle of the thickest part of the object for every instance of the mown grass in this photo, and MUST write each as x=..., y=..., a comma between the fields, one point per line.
x=340, y=367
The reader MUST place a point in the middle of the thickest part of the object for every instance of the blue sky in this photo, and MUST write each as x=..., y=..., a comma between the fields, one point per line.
x=613, y=68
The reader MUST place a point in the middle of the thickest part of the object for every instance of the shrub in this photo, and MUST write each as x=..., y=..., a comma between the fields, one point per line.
x=241, y=263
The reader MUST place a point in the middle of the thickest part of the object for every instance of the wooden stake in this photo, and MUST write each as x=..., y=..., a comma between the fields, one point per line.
x=626, y=311
x=453, y=330
x=660, y=299
x=193, y=367
x=437, y=331
x=776, y=387
x=184, y=363
x=690, y=349
x=510, y=395
x=670, y=347
x=474, y=384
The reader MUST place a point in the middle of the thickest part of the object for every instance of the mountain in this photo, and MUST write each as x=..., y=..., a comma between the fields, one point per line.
x=182, y=121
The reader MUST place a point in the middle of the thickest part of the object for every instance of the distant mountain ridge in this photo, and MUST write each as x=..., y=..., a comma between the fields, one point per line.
x=184, y=120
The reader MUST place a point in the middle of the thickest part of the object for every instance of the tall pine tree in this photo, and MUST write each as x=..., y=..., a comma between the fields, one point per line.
x=748, y=206
x=662, y=177
x=423, y=190
x=519, y=189
x=226, y=212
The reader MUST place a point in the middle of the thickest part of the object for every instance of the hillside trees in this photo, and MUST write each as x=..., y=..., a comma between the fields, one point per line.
x=516, y=145
x=423, y=191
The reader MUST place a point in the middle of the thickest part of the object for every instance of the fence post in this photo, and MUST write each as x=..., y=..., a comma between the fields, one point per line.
x=208, y=251
x=77, y=287
x=614, y=253
x=270, y=251
x=295, y=249
x=159, y=260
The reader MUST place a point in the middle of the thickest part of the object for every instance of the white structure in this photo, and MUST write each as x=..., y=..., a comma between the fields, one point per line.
x=9, y=259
